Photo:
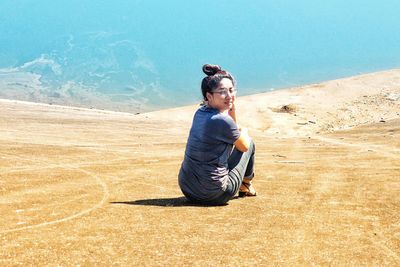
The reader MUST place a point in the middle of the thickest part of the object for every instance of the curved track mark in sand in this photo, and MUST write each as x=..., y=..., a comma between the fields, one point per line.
x=73, y=216
x=50, y=165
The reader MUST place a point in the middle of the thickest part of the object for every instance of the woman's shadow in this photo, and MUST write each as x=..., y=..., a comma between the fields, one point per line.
x=163, y=202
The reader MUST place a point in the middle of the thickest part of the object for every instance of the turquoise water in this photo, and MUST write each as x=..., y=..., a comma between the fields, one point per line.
x=143, y=55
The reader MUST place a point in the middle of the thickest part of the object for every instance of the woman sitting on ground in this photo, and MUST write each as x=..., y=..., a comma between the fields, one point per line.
x=219, y=156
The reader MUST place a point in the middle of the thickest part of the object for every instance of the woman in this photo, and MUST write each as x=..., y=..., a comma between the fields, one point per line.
x=219, y=156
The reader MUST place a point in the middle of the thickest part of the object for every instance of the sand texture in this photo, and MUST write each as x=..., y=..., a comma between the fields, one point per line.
x=88, y=187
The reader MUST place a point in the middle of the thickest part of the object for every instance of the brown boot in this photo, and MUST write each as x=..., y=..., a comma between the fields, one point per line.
x=246, y=189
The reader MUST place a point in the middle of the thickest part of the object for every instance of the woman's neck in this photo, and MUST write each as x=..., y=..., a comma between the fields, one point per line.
x=210, y=105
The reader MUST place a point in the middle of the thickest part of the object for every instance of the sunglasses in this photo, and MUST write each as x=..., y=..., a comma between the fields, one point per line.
x=225, y=93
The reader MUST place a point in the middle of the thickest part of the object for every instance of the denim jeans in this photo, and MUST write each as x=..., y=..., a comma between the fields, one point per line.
x=241, y=165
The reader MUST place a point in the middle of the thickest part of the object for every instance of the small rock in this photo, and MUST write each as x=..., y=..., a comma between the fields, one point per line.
x=290, y=108
x=393, y=96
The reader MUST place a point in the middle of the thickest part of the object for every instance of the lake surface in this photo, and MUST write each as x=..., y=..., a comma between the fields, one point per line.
x=138, y=55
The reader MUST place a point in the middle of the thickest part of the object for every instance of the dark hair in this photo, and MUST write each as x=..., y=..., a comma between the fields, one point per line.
x=214, y=76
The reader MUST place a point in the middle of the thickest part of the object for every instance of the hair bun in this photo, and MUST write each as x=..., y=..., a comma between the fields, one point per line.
x=210, y=70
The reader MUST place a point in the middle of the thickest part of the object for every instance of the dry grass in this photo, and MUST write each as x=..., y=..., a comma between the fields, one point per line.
x=79, y=188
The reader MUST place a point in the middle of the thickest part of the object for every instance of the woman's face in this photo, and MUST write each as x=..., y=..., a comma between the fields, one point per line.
x=223, y=97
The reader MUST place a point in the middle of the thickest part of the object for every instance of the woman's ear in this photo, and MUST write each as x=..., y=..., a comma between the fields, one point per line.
x=208, y=96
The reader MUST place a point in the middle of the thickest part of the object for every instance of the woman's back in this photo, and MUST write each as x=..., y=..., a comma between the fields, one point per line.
x=205, y=167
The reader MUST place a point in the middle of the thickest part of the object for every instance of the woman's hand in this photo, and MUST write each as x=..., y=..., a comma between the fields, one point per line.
x=233, y=103
x=232, y=110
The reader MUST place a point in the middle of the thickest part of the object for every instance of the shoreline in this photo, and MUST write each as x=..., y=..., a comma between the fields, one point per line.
x=62, y=107
x=106, y=111
x=320, y=107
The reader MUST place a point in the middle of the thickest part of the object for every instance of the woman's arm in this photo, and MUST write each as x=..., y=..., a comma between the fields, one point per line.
x=243, y=143
x=232, y=112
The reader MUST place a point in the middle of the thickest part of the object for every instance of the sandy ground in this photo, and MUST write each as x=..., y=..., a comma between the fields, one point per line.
x=89, y=187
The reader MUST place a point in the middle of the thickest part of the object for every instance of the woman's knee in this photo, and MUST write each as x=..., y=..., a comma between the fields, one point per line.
x=252, y=147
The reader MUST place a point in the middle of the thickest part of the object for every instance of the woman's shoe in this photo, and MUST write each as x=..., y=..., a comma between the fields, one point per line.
x=246, y=189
